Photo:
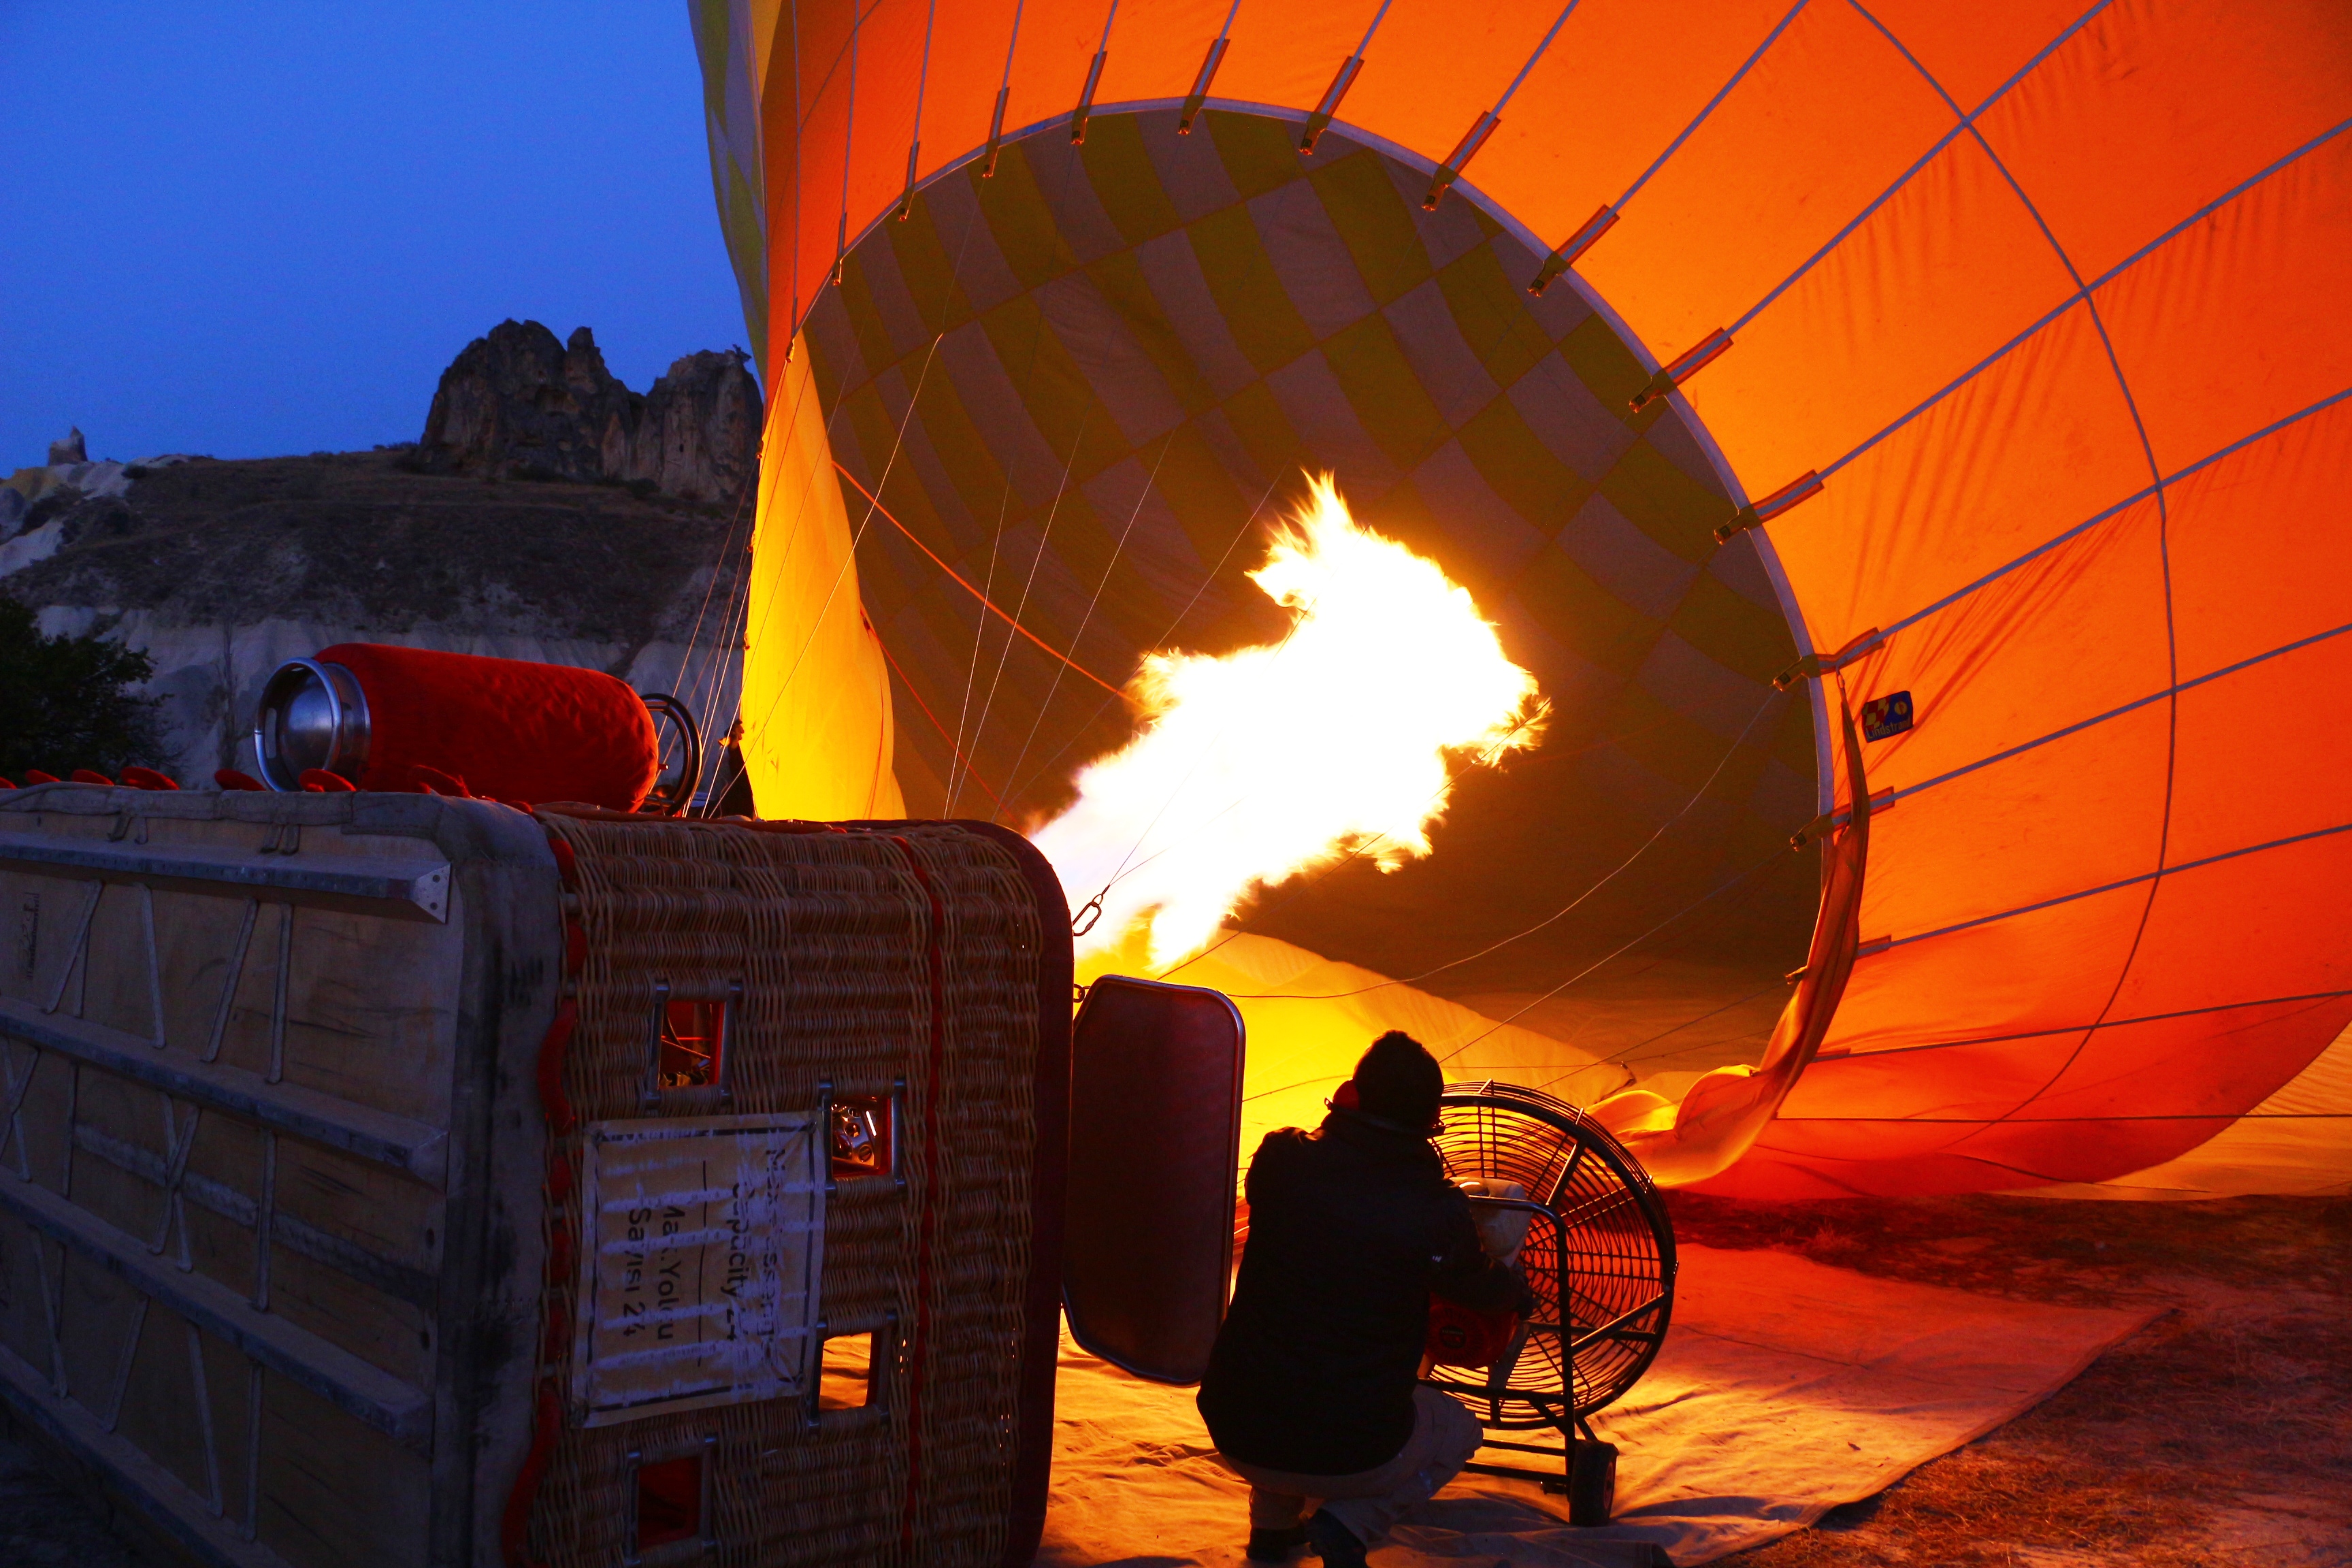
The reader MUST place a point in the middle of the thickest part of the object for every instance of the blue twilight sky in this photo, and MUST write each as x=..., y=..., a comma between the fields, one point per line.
x=251, y=228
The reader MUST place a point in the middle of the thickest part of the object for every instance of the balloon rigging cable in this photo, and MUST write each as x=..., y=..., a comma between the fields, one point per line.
x=996, y=539
x=1712, y=893
x=1165, y=637
x=709, y=684
x=947, y=304
x=791, y=422
x=1038, y=558
x=979, y=637
x=1646, y=845
x=1589, y=968
x=961, y=581
x=1078, y=637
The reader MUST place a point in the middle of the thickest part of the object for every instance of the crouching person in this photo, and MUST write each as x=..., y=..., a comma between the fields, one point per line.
x=1312, y=1393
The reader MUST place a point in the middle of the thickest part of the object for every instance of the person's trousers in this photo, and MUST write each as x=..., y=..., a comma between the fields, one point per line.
x=1444, y=1435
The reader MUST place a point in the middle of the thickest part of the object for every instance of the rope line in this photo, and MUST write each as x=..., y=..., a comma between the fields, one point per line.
x=1512, y=91
x=800, y=124
x=1646, y=845
x=1997, y=572
x=1085, y=620
x=962, y=583
x=1500, y=1023
x=701, y=689
x=1028, y=377
x=1011, y=42
x=2134, y=706
x=933, y=718
x=1626, y=1053
x=979, y=637
x=856, y=538
x=914, y=399
x=848, y=141
x=2101, y=282
x=2288, y=841
x=2164, y=552
x=1598, y=964
x=2306, y=1000
x=922, y=86
x=732, y=638
x=1162, y=641
x=726, y=544
x=1038, y=558
x=1721, y=93
x=1965, y=123
x=791, y=423
x=740, y=632
x=1378, y=18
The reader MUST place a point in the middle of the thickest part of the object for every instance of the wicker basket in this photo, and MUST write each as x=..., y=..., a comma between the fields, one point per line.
x=308, y=1099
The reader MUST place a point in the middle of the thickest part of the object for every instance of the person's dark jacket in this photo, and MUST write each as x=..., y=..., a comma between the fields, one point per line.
x=1352, y=1229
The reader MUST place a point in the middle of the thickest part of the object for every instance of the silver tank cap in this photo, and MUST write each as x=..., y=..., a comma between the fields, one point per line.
x=312, y=715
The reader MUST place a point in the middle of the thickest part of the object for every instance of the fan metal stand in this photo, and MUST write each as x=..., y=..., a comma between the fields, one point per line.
x=1588, y=1476
x=1598, y=1254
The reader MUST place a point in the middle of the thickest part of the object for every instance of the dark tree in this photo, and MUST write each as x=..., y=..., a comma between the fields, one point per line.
x=65, y=703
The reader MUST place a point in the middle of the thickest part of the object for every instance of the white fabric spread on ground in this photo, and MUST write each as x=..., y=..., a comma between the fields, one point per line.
x=1784, y=1389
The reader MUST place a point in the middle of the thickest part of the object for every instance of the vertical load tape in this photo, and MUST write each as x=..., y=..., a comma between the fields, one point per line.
x=1573, y=247
x=1320, y=120
x=1464, y=151
x=1690, y=363
x=1804, y=488
x=1200, y=94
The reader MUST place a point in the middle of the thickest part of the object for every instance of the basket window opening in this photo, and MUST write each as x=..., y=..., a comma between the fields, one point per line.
x=864, y=1140
x=693, y=1039
x=845, y=1374
x=669, y=1501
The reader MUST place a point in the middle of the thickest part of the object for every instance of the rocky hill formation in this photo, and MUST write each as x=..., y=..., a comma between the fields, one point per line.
x=518, y=404
x=565, y=520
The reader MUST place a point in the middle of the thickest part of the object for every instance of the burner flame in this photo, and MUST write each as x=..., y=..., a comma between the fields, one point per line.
x=1252, y=767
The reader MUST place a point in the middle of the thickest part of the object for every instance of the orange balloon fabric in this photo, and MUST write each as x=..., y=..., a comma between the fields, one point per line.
x=2052, y=297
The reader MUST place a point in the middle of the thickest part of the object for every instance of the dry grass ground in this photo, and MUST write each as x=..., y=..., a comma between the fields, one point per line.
x=2221, y=1434
x=45, y=1522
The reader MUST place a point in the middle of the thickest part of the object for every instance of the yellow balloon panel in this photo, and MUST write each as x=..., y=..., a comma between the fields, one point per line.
x=817, y=735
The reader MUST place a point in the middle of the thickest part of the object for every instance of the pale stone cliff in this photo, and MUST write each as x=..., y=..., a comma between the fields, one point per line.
x=564, y=520
x=518, y=404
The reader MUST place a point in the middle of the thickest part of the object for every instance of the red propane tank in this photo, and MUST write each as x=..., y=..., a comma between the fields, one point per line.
x=507, y=730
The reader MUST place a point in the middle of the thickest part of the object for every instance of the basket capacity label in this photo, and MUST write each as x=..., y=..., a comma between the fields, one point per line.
x=699, y=1266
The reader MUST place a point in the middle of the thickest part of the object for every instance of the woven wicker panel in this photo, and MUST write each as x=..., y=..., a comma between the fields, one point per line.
x=864, y=958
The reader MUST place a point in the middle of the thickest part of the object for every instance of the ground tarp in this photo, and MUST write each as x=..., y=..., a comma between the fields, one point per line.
x=1785, y=1388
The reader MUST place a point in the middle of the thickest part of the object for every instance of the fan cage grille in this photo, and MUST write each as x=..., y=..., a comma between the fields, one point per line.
x=1599, y=1259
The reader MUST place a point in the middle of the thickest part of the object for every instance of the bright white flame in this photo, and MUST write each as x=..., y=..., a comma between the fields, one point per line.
x=1267, y=762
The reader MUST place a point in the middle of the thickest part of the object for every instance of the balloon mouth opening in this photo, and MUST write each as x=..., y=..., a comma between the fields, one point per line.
x=1485, y=426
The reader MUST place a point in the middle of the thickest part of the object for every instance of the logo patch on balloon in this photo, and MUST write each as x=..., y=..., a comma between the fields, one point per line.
x=1885, y=716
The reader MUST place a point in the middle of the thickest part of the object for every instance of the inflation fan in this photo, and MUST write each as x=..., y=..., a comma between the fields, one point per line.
x=1599, y=1255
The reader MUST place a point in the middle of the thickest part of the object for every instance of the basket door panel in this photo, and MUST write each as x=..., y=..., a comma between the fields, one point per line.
x=1155, y=1130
